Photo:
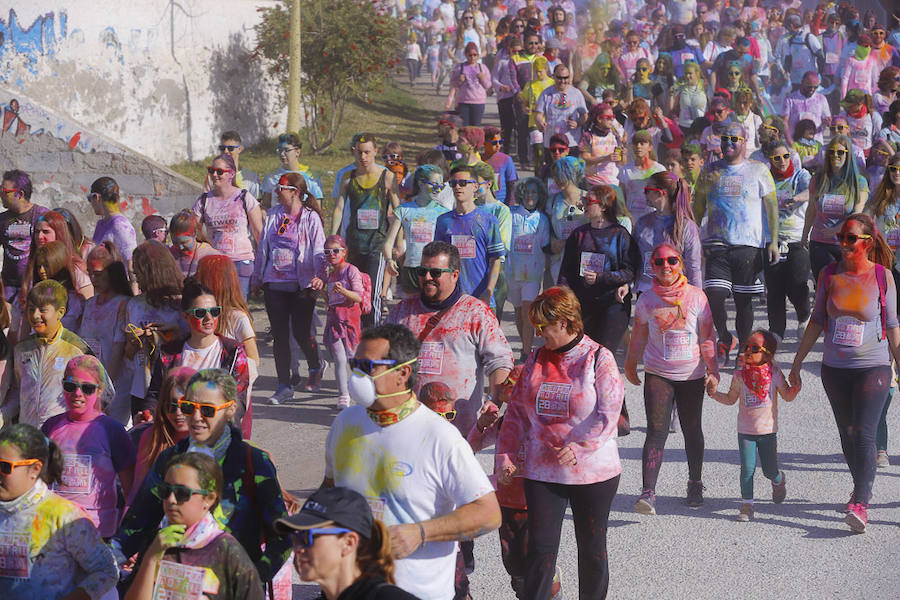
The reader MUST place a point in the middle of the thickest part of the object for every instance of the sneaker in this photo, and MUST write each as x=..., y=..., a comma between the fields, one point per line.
x=695, y=493
x=314, y=381
x=779, y=490
x=723, y=350
x=857, y=517
x=847, y=507
x=646, y=504
x=282, y=394
x=343, y=402
x=801, y=328
x=882, y=460
x=746, y=513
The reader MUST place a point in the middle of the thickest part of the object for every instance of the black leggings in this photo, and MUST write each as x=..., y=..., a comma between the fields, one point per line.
x=607, y=324
x=743, y=317
x=659, y=394
x=291, y=312
x=857, y=397
x=547, y=504
x=788, y=279
x=820, y=255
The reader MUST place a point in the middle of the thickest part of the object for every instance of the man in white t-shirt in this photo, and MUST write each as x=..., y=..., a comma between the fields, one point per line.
x=417, y=472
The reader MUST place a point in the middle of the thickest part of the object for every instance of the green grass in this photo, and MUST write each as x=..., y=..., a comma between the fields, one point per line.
x=394, y=115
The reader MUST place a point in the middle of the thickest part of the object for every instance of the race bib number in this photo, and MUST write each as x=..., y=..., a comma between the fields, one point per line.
x=223, y=242
x=751, y=400
x=421, y=231
x=731, y=185
x=833, y=205
x=377, y=506
x=76, y=475
x=687, y=57
x=893, y=238
x=524, y=244
x=677, y=345
x=465, y=244
x=59, y=363
x=848, y=332
x=367, y=218
x=861, y=77
x=593, y=262
x=283, y=259
x=431, y=358
x=536, y=136
x=175, y=581
x=553, y=400
x=15, y=558
x=831, y=58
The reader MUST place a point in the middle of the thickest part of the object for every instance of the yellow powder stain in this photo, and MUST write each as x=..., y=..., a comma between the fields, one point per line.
x=350, y=451
x=356, y=457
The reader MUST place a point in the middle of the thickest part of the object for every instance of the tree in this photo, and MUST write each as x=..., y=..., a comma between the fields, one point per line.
x=349, y=49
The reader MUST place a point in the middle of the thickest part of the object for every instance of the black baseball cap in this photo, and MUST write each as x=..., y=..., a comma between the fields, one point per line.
x=339, y=505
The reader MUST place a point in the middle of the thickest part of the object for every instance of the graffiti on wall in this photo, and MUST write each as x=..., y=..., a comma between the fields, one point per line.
x=38, y=39
x=25, y=118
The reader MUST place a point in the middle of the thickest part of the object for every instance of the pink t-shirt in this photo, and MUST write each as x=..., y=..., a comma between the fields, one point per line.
x=673, y=340
x=93, y=453
x=228, y=223
x=758, y=416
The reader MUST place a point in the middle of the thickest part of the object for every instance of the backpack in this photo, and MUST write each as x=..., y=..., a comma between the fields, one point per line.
x=366, y=304
x=819, y=58
x=880, y=277
x=240, y=199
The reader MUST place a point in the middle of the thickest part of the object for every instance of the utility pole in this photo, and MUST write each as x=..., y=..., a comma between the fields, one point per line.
x=293, y=119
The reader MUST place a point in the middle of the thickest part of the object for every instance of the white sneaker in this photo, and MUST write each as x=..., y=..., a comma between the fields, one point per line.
x=282, y=394
x=801, y=328
x=343, y=402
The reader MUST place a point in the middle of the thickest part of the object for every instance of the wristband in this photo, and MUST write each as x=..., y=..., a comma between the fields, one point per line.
x=422, y=533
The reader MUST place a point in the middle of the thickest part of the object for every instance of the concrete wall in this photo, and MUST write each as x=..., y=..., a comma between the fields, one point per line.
x=163, y=77
x=64, y=157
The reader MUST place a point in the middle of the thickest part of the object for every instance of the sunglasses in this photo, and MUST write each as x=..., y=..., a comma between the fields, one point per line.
x=88, y=389
x=643, y=69
x=422, y=272
x=207, y=411
x=280, y=187
x=286, y=149
x=228, y=148
x=562, y=78
x=217, y=171
x=11, y=191
x=495, y=142
x=784, y=156
x=755, y=349
x=449, y=415
x=284, y=225
x=852, y=238
x=894, y=169
x=307, y=537
x=332, y=251
x=200, y=313
x=557, y=150
x=454, y=183
x=660, y=261
x=7, y=466
x=771, y=128
x=367, y=365
x=733, y=73
x=837, y=128
x=435, y=187
x=734, y=139
x=182, y=492
x=836, y=152
x=391, y=156
x=647, y=190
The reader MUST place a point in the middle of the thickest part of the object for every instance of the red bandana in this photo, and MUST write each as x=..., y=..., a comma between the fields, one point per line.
x=758, y=379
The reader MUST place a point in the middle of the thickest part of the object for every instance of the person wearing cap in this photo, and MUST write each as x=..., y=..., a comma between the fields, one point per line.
x=737, y=196
x=863, y=120
x=339, y=545
x=808, y=102
x=798, y=51
x=288, y=151
x=416, y=471
x=551, y=52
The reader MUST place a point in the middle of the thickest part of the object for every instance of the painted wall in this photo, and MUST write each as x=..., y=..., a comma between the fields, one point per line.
x=163, y=77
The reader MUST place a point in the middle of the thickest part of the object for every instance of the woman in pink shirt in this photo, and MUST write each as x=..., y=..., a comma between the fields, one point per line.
x=674, y=335
x=563, y=417
x=469, y=85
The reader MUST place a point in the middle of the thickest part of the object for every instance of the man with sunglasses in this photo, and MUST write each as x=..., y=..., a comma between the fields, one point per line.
x=561, y=110
x=502, y=164
x=288, y=150
x=808, y=102
x=16, y=227
x=251, y=496
x=230, y=143
x=417, y=472
x=737, y=196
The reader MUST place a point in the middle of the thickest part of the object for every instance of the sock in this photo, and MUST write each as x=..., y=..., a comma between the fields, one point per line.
x=746, y=501
x=779, y=479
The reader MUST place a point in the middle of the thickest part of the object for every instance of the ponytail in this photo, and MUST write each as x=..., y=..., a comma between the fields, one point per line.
x=373, y=557
x=53, y=468
x=34, y=444
x=881, y=252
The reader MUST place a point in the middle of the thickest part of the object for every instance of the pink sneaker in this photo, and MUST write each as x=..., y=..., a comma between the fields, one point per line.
x=857, y=518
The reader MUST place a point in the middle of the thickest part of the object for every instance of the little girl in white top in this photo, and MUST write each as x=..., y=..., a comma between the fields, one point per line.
x=757, y=385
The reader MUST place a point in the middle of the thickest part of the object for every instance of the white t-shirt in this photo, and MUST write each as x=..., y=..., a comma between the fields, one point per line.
x=202, y=358
x=412, y=471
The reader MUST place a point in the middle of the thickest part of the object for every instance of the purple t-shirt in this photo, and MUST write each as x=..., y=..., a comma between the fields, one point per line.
x=119, y=230
x=93, y=452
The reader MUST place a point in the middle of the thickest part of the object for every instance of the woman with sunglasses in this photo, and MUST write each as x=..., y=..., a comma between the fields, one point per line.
x=189, y=241
x=206, y=349
x=97, y=452
x=113, y=225
x=563, y=413
x=191, y=545
x=169, y=426
x=674, y=336
x=289, y=256
x=339, y=545
x=856, y=307
x=232, y=217
x=62, y=554
x=672, y=221
x=789, y=277
x=417, y=219
x=837, y=191
x=250, y=495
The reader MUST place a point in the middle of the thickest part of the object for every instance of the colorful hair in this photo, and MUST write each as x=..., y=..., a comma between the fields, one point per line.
x=880, y=252
x=209, y=473
x=558, y=302
x=522, y=186
x=678, y=192
x=336, y=239
x=218, y=274
x=21, y=180
x=88, y=364
x=108, y=190
x=162, y=434
x=48, y=292
x=423, y=174
x=826, y=180
x=568, y=169
x=185, y=222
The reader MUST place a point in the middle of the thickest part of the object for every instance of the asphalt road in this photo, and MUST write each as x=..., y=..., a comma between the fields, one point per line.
x=800, y=549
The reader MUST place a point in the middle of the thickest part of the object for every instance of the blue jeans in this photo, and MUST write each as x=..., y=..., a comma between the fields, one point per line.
x=767, y=446
x=470, y=113
x=244, y=270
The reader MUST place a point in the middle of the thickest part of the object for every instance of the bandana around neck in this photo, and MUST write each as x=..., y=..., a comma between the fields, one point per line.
x=200, y=534
x=786, y=174
x=218, y=449
x=672, y=294
x=757, y=379
x=389, y=416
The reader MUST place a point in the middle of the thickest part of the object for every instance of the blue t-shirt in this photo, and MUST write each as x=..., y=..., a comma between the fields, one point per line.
x=477, y=237
x=506, y=174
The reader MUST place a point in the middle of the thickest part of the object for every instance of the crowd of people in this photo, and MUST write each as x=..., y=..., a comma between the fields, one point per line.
x=673, y=154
